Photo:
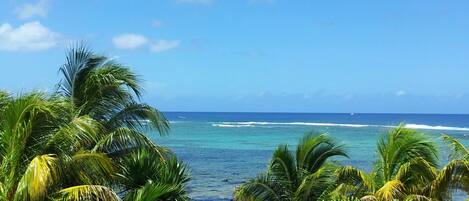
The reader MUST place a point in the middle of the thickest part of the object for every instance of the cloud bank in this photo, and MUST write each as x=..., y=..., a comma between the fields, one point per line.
x=31, y=36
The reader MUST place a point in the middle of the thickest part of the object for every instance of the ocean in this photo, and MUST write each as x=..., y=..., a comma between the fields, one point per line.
x=225, y=149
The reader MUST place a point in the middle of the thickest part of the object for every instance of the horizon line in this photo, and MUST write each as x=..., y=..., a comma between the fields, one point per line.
x=283, y=112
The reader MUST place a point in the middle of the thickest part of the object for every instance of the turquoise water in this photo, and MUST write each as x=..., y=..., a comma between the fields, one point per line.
x=225, y=149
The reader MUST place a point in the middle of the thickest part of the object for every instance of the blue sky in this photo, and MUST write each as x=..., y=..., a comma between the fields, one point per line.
x=255, y=55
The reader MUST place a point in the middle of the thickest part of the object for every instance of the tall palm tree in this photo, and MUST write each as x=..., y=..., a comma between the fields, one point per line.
x=304, y=176
x=406, y=169
x=76, y=144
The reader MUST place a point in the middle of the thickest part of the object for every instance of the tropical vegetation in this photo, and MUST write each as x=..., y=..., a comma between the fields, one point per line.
x=303, y=175
x=406, y=168
x=86, y=140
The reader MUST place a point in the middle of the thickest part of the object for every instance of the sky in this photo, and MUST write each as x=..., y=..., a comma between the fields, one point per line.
x=400, y=56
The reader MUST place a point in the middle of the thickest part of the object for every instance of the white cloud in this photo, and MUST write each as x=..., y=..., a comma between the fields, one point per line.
x=401, y=93
x=129, y=41
x=206, y=2
x=29, y=36
x=29, y=10
x=164, y=45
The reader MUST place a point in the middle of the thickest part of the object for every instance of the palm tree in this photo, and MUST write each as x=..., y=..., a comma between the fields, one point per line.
x=304, y=176
x=108, y=92
x=406, y=169
x=76, y=144
x=30, y=169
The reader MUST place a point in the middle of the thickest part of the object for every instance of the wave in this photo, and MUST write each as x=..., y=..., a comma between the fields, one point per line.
x=253, y=123
x=231, y=125
x=428, y=127
x=411, y=126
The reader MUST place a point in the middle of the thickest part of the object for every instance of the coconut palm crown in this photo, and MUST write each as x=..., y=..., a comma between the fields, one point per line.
x=304, y=175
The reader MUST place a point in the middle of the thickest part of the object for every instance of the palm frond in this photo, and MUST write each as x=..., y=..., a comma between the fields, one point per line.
x=313, y=151
x=26, y=124
x=263, y=187
x=42, y=172
x=400, y=146
x=138, y=117
x=80, y=60
x=81, y=132
x=152, y=191
x=459, y=151
x=391, y=190
x=127, y=140
x=356, y=178
x=283, y=168
x=314, y=184
x=87, y=192
x=87, y=167
x=455, y=175
x=416, y=174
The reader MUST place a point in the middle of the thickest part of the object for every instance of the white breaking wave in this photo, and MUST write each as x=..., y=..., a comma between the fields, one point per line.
x=253, y=124
x=412, y=126
x=230, y=125
x=427, y=127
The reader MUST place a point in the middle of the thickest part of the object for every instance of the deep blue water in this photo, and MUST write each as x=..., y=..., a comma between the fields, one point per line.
x=225, y=149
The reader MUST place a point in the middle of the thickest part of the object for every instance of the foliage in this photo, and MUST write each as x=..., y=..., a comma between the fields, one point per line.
x=305, y=175
x=406, y=169
x=76, y=143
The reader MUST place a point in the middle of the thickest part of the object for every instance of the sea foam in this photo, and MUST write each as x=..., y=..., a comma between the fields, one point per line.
x=412, y=126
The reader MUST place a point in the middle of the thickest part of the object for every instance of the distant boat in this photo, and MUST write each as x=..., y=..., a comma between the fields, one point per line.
x=352, y=114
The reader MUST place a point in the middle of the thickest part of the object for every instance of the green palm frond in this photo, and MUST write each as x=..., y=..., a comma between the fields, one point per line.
x=416, y=174
x=261, y=188
x=42, y=172
x=314, y=150
x=124, y=140
x=391, y=190
x=145, y=174
x=283, y=167
x=459, y=151
x=308, y=176
x=87, y=192
x=26, y=124
x=81, y=132
x=174, y=172
x=455, y=175
x=400, y=146
x=139, y=116
x=87, y=167
x=314, y=184
x=354, y=177
x=80, y=60
x=152, y=191
x=4, y=99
